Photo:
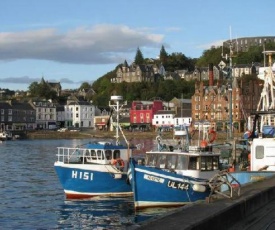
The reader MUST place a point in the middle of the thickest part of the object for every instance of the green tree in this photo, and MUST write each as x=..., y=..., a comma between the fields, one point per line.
x=34, y=89
x=163, y=56
x=139, y=60
x=212, y=55
x=85, y=85
x=178, y=61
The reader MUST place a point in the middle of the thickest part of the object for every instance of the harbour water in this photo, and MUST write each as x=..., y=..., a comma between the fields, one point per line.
x=31, y=196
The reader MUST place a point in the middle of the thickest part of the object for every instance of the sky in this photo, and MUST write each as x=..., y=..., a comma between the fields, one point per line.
x=76, y=41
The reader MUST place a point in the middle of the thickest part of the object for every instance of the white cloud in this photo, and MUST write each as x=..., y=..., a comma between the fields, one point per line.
x=101, y=44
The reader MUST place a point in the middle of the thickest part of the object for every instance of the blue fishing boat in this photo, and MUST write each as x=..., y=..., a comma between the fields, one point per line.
x=173, y=175
x=96, y=168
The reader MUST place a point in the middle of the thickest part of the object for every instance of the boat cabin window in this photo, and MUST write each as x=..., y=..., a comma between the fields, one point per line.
x=259, y=152
x=93, y=155
x=182, y=162
x=161, y=161
x=171, y=161
x=209, y=163
x=166, y=161
x=193, y=163
x=216, y=163
x=108, y=154
x=116, y=154
x=100, y=155
x=151, y=159
x=87, y=154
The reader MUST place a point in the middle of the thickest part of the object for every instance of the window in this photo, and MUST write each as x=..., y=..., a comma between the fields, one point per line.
x=259, y=152
x=161, y=161
x=171, y=161
x=197, y=98
x=193, y=163
x=2, y=111
x=151, y=159
x=209, y=163
x=116, y=154
x=108, y=154
x=182, y=162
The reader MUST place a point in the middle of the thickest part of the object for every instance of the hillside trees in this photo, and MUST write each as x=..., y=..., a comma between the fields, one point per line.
x=163, y=55
x=139, y=60
x=42, y=90
x=178, y=61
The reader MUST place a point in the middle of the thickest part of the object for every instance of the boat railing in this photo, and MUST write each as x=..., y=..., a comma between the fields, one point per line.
x=77, y=155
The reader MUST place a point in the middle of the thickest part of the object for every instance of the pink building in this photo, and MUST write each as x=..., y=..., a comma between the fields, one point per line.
x=142, y=113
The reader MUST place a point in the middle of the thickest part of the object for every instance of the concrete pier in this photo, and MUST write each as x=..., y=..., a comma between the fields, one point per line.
x=222, y=213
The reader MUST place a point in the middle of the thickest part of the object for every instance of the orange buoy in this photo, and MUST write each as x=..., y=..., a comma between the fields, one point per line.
x=204, y=143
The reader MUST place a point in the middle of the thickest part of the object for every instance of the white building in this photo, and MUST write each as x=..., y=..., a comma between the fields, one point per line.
x=164, y=119
x=79, y=114
x=45, y=114
x=185, y=121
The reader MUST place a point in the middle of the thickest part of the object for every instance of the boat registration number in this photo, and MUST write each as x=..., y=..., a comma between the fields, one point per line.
x=177, y=185
x=82, y=175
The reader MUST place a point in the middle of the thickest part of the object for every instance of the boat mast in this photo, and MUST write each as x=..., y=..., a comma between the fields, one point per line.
x=114, y=103
x=267, y=99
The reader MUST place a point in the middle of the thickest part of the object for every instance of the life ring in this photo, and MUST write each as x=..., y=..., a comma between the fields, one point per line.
x=118, y=163
x=213, y=134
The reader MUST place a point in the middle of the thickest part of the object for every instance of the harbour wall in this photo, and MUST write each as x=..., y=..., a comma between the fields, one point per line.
x=218, y=214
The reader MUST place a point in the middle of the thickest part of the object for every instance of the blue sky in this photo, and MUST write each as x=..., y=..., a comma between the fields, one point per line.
x=71, y=41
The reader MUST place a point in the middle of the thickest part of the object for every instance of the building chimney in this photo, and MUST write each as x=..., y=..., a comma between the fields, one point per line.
x=211, y=75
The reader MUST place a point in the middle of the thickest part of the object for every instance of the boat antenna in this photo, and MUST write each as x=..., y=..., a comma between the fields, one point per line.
x=115, y=104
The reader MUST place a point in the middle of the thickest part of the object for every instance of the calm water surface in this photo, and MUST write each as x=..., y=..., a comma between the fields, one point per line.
x=31, y=196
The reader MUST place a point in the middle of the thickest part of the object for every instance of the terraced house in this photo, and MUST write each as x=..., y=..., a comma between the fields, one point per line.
x=17, y=116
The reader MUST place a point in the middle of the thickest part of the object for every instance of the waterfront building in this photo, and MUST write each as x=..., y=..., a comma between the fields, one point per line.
x=45, y=111
x=142, y=113
x=16, y=116
x=79, y=114
x=164, y=119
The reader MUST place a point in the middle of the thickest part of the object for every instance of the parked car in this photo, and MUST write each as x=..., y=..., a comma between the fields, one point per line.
x=74, y=129
x=62, y=130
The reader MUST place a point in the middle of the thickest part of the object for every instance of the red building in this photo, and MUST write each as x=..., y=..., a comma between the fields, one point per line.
x=142, y=113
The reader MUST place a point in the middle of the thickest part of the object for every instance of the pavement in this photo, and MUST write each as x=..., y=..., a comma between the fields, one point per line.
x=255, y=204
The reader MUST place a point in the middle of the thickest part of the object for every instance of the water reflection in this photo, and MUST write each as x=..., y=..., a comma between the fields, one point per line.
x=31, y=196
x=112, y=213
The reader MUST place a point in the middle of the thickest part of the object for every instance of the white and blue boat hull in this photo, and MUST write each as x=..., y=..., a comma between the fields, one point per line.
x=154, y=187
x=79, y=182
